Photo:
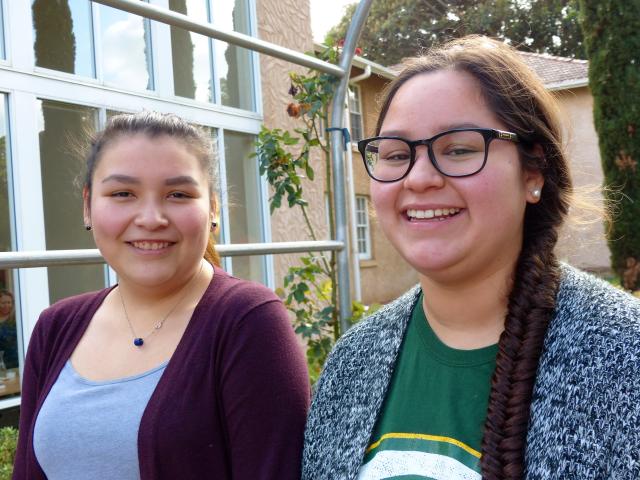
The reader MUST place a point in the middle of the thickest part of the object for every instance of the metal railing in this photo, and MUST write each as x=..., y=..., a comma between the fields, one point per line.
x=50, y=258
x=341, y=71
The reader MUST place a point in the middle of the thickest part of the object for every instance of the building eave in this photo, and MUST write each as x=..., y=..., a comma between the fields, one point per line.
x=360, y=62
x=568, y=84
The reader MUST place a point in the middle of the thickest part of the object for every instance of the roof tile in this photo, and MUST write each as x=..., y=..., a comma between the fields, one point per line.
x=556, y=70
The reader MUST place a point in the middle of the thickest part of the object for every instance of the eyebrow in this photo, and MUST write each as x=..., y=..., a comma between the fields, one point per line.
x=443, y=128
x=127, y=179
x=181, y=180
x=121, y=179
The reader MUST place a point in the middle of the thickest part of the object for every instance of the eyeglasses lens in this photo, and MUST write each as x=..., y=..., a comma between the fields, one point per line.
x=456, y=154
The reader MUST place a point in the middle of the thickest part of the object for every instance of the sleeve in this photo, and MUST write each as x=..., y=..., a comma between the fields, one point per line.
x=32, y=380
x=625, y=458
x=266, y=395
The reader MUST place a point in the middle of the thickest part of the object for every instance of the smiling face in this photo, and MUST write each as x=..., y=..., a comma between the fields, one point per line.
x=452, y=229
x=150, y=210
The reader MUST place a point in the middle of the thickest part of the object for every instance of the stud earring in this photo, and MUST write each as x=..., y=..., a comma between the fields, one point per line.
x=536, y=193
x=87, y=227
x=213, y=225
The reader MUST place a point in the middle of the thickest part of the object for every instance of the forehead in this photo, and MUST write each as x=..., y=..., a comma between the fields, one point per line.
x=148, y=157
x=430, y=103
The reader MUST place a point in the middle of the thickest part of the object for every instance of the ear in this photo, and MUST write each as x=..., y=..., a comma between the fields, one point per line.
x=534, y=182
x=86, y=207
x=533, y=179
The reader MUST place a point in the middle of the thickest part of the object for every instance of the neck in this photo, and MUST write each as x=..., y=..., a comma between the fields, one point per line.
x=468, y=314
x=156, y=298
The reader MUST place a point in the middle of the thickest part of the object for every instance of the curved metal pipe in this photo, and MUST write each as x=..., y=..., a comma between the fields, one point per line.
x=337, y=149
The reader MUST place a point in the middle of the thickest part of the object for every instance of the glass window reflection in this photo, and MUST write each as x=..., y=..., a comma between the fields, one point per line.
x=9, y=321
x=245, y=206
x=191, y=54
x=234, y=66
x=126, y=49
x=2, y=50
x=61, y=167
x=63, y=36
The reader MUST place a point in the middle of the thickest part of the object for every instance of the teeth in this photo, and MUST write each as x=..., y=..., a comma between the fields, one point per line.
x=439, y=213
x=150, y=245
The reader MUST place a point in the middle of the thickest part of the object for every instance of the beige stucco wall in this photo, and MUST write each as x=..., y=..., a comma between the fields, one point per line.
x=286, y=23
x=582, y=242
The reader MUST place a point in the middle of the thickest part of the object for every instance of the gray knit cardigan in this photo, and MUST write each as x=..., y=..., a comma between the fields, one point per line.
x=585, y=414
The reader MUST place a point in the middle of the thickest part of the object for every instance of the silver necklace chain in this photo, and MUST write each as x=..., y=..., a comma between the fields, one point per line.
x=139, y=341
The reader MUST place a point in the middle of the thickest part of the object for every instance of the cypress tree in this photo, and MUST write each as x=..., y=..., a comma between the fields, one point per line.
x=611, y=30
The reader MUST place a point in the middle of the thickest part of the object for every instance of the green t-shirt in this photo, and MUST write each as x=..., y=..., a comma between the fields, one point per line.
x=432, y=420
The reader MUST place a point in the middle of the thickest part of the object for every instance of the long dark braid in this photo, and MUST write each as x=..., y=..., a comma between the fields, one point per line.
x=531, y=305
x=518, y=98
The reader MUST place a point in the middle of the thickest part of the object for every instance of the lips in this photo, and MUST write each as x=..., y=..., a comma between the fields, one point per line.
x=150, y=245
x=432, y=214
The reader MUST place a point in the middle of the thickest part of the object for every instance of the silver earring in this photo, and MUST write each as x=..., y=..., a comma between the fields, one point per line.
x=536, y=193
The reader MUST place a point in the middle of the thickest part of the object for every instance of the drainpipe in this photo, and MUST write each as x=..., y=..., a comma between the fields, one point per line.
x=363, y=76
x=351, y=192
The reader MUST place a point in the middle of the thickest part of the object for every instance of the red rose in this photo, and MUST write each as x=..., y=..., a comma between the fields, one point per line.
x=293, y=110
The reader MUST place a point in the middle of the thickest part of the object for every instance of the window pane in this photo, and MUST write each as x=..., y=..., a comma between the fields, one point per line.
x=126, y=49
x=356, y=127
x=234, y=67
x=245, y=206
x=354, y=99
x=63, y=36
x=9, y=319
x=61, y=168
x=362, y=228
x=355, y=114
x=2, y=51
x=191, y=54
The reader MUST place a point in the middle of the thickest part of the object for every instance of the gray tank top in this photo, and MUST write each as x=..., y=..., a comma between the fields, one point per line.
x=89, y=430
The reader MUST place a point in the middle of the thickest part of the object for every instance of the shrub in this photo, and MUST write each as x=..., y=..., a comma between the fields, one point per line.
x=8, y=444
x=612, y=40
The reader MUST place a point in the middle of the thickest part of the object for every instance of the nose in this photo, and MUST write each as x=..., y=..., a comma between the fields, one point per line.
x=423, y=174
x=151, y=216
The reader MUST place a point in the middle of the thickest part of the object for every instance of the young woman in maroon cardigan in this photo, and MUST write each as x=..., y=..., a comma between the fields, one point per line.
x=179, y=371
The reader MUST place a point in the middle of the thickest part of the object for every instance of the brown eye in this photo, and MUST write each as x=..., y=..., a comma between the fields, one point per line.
x=121, y=194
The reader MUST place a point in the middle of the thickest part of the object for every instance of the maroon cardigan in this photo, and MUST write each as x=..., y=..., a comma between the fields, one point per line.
x=231, y=403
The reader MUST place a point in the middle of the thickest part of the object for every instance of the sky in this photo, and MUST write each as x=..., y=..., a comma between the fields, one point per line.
x=325, y=14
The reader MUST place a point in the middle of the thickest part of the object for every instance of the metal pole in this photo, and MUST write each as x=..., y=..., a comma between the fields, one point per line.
x=92, y=256
x=337, y=148
x=351, y=202
x=182, y=21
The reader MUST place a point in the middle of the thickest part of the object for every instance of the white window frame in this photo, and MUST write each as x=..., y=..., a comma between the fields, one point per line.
x=25, y=84
x=362, y=211
x=355, y=113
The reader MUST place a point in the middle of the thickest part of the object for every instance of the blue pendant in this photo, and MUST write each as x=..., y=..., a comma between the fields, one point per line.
x=138, y=342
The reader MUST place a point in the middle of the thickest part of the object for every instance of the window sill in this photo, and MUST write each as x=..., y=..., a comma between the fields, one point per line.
x=369, y=263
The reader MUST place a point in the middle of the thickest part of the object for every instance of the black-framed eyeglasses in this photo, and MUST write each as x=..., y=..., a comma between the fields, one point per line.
x=460, y=152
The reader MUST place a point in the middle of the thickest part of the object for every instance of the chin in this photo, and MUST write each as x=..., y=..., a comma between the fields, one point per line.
x=437, y=266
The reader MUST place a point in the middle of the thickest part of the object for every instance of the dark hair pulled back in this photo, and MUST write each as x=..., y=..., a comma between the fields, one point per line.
x=153, y=125
x=519, y=100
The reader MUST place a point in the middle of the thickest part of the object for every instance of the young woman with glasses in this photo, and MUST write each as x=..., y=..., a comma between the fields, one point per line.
x=180, y=371
x=502, y=363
